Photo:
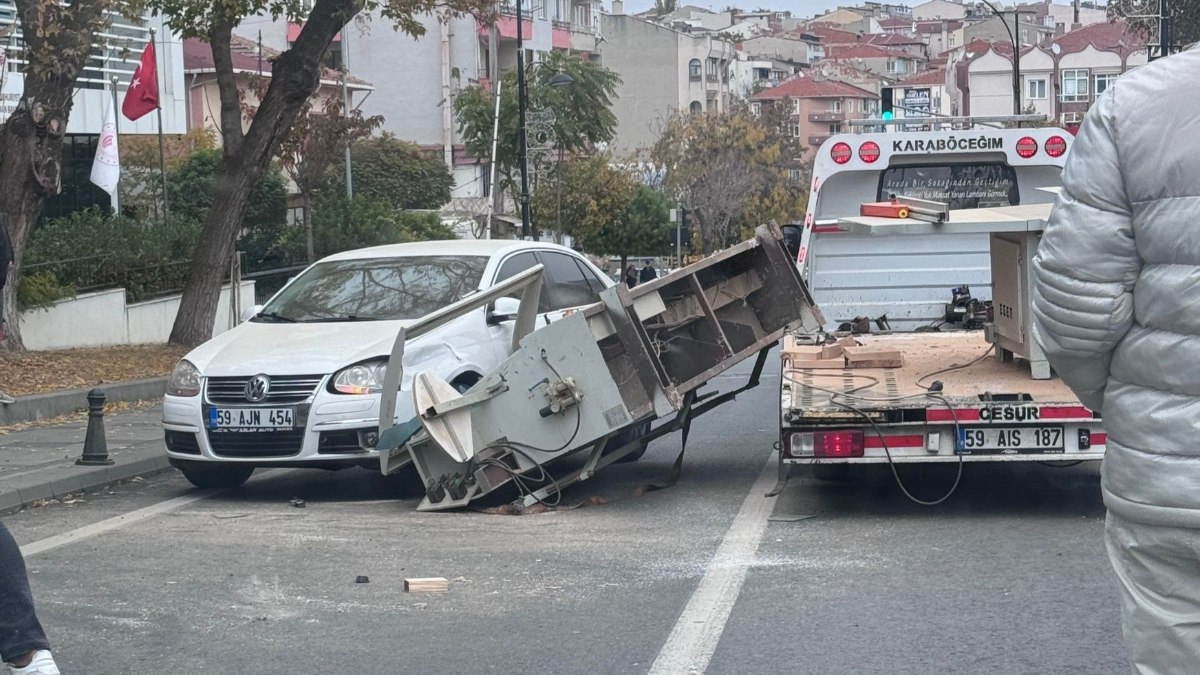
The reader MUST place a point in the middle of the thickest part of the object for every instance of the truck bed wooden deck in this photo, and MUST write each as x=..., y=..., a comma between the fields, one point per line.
x=924, y=353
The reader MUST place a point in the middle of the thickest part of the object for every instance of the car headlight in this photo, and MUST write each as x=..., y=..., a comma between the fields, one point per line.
x=185, y=380
x=361, y=378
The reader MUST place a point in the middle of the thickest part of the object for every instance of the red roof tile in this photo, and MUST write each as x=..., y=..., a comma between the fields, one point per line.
x=929, y=77
x=197, y=56
x=861, y=51
x=891, y=39
x=895, y=23
x=807, y=87
x=1105, y=36
x=833, y=36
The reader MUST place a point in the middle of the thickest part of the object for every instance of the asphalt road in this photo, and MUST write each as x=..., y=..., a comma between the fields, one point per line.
x=1009, y=576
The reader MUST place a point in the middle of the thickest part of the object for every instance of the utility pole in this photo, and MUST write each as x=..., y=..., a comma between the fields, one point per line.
x=1164, y=29
x=522, y=140
x=1015, y=39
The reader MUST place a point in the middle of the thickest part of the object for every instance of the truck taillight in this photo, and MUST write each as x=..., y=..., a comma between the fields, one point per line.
x=868, y=152
x=841, y=153
x=1056, y=146
x=1026, y=147
x=826, y=444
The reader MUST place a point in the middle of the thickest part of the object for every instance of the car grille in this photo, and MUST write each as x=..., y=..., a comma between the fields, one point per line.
x=284, y=389
x=182, y=442
x=256, y=443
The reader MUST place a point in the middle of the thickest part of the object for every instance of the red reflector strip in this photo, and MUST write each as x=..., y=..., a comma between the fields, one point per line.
x=1099, y=439
x=895, y=441
x=944, y=415
x=1065, y=413
x=826, y=229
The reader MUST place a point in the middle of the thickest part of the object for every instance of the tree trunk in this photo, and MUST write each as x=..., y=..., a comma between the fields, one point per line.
x=295, y=76
x=308, y=230
x=58, y=41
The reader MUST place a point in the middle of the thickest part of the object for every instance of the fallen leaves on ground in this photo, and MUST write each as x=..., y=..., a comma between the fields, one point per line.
x=79, y=416
x=25, y=373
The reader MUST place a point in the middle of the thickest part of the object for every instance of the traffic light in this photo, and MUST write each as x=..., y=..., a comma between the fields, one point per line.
x=886, y=103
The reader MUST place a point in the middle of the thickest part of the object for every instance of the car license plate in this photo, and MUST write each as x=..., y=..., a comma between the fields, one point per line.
x=261, y=419
x=1010, y=440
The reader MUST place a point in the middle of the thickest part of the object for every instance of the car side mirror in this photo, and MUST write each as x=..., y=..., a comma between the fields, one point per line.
x=503, y=309
x=250, y=312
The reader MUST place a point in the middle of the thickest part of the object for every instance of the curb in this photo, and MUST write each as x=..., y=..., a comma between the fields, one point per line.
x=64, y=479
x=54, y=404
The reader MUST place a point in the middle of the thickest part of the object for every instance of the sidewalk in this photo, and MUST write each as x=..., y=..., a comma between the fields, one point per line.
x=39, y=462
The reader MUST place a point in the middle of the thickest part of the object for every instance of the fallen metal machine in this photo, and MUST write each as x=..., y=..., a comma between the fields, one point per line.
x=595, y=381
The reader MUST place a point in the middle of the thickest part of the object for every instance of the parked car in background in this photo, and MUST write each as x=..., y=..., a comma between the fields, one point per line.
x=299, y=383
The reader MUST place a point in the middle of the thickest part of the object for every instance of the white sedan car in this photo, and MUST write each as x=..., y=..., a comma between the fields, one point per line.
x=298, y=385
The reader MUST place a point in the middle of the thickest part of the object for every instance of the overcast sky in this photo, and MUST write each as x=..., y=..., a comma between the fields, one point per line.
x=798, y=8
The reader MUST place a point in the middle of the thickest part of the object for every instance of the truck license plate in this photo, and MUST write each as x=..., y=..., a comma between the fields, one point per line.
x=1009, y=440
x=258, y=419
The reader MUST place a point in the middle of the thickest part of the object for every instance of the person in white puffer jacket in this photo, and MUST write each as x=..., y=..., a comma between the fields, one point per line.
x=1117, y=309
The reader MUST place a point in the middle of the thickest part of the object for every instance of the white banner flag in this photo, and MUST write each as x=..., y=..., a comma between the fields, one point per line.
x=106, y=168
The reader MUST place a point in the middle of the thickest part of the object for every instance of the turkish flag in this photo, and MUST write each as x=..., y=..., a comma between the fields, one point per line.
x=142, y=95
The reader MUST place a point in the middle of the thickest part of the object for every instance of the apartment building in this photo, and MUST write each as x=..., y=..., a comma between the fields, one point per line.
x=116, y=54
x=817, y=109
x=416, y=80
x=890, y=63
x=937, y=10
x=1060, y=78
x=662, y=70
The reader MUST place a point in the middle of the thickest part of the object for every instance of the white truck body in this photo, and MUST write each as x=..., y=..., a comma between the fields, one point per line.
x=986, y=406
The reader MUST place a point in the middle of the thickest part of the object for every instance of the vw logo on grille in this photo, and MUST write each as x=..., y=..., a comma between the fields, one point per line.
x=257, y=388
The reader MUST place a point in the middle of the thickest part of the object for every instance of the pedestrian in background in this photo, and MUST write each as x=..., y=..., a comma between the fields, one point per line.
x=1115, y=308
x=23, y=643
x=631, y=275
x=647, y=274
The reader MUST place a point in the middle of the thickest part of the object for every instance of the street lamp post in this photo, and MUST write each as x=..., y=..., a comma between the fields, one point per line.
x=1012, y=38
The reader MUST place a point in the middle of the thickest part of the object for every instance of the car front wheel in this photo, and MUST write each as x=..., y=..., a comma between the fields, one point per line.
x=217, y=475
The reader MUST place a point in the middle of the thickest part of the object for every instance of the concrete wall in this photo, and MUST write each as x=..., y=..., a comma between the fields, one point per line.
x=103, y=318
x=646, y=56
x=938, y=9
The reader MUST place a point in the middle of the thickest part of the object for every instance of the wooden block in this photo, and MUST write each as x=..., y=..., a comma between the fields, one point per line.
x=426, y=585
x=819, y=364
x=867, y=357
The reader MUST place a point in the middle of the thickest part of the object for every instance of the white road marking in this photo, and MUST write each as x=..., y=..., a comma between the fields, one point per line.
x=692, y=642
x=125, y=519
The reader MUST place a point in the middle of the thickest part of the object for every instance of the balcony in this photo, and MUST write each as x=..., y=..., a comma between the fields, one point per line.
x=827, y=116
x=817, y=140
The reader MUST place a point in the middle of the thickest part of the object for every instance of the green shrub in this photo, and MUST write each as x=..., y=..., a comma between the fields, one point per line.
x=93, y=249
x=40, y=290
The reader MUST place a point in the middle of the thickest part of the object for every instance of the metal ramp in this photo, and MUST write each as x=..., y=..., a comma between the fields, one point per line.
x=596, y=376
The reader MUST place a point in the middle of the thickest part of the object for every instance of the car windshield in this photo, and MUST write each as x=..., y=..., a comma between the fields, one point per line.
x=376, y=289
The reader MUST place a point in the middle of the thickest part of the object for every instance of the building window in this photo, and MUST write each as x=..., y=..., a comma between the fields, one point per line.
x=755, y=109
x=835, y=105
x=835, y=128
x=696, y=108
x=710, y=69
x=694, y=69
x=1074, y=85
x=868, y=106
x=794, y=129
x=795, y=106
x=795, y=175
x=1035, y=89
x=1104, y=81
x=1071, y=118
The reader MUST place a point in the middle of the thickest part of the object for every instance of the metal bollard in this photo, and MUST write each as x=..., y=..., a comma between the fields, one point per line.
x=95, y=447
